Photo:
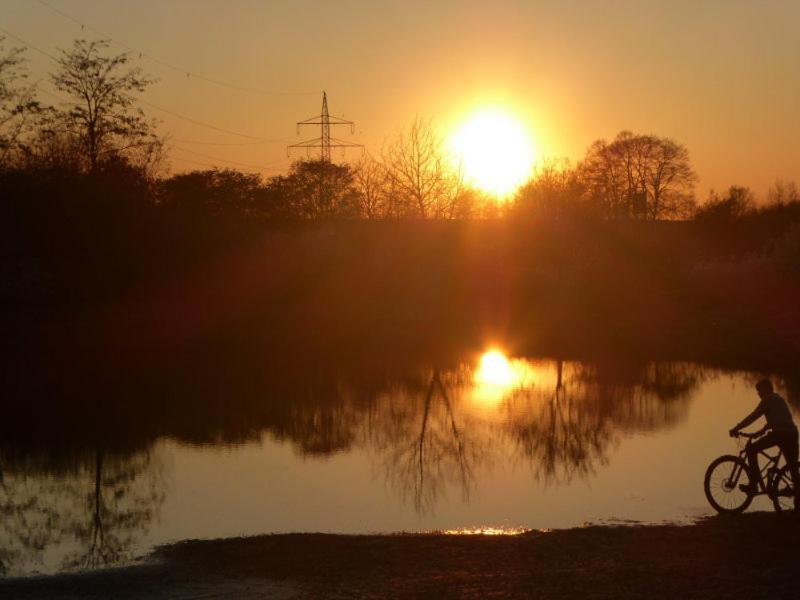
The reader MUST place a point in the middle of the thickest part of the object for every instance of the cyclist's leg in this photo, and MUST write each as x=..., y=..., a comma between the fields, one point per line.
x=767, y=441
x=789, y=447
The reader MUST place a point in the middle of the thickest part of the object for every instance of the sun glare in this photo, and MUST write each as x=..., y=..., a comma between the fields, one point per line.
x=495, y=152
x=494, y=369
x=497, y=376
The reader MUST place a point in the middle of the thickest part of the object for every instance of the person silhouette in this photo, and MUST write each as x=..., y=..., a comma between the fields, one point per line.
x=779, y=430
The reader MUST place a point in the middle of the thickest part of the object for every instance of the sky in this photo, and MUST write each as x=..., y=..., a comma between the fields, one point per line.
x=721, y=77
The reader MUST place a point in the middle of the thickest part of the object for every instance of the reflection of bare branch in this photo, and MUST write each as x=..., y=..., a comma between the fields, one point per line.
x=29, y=521
x=122, y=503
x=561, y=440
x=462, y=460
x=422, y=461
x=569, y=432
x=103, y=505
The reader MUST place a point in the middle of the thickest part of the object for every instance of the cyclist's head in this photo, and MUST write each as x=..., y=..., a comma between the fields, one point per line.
x=764, y=386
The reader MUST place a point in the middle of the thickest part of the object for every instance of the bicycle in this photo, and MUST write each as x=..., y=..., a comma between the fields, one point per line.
x=726, y=476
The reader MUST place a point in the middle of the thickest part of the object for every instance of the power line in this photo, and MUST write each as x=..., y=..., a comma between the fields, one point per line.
x=208, y=165
x=151, y=104
x=207, y=143
x=49, y=93
x=209, y=156
x=234, y=162
x=172, y=66
x=256, y=140
x=28, y=45
x=203, y=123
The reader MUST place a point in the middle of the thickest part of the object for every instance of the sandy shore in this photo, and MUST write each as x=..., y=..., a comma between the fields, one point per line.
x=752, y=556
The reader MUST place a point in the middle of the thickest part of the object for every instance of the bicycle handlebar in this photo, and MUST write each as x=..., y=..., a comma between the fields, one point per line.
x=748, y=436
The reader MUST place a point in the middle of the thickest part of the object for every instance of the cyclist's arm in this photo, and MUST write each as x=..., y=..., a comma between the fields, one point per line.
x=758, y=412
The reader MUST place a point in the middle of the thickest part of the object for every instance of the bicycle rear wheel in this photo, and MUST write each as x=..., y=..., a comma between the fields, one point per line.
x=721, y=484
x=781, y=490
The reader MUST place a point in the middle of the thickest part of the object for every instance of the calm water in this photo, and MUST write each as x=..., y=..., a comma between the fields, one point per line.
x=497, y=442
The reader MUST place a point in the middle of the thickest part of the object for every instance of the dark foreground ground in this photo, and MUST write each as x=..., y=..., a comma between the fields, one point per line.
x=754, y=556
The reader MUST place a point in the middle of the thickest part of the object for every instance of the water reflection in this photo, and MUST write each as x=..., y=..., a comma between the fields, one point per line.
x=425, y=443
x=93, y=509
x=433, y=434
x=497, y=376
x=560, y=418
x=565, y=429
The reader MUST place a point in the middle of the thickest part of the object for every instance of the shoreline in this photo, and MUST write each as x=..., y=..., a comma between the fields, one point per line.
x=752, y=555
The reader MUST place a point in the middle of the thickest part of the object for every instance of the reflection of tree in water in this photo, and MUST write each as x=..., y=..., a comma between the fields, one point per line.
x=566, y=431
x=559, y=437
x=28, y=520
x=110, y=516
x=99, y=505
x=429, y=438
x=425, y=445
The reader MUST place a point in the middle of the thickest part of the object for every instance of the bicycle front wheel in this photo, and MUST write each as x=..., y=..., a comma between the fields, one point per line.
x=781, y=490
x=722, y=481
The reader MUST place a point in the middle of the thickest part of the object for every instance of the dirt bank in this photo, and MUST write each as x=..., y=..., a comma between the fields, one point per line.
x=753, y=556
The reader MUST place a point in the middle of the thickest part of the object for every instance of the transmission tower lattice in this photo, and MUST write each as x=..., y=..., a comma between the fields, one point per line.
x=325, y=142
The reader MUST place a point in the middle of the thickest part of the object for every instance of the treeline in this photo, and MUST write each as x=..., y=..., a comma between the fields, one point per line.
x=99, y=130
x=395, y=248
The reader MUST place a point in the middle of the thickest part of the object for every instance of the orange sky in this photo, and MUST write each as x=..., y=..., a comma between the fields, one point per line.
x=721, y=77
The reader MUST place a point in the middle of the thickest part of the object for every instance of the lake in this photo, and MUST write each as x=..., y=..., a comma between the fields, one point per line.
x=496, y=443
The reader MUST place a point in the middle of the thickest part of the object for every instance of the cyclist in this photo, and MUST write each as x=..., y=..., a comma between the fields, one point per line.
x=782, y=432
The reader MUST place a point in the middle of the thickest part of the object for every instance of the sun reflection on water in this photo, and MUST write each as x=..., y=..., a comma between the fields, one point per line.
x=497, y=376
x=487, y=531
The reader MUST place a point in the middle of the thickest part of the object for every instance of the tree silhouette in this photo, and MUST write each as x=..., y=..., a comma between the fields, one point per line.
x=419, y=174
x=554, y=191
x=737, y=203
x=316, y=189
x=102, y=113
x=213, y=191
x=17, y=102
x=372, y=182
x=783, y=193
x=641, y=176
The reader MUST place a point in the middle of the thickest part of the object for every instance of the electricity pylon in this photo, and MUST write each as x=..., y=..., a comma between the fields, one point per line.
x=324, y=142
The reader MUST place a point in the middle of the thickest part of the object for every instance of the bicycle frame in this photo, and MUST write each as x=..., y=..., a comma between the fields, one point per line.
x=766, y=471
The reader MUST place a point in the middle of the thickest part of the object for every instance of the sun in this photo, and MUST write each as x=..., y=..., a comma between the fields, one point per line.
x=494, y=150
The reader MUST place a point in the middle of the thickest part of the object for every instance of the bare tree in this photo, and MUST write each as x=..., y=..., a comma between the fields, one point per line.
x=783, y=192
x=554, y=190
x=419, y=174
x=642, y=176
x=372, y=182
x=102, y=114
x=17, y=102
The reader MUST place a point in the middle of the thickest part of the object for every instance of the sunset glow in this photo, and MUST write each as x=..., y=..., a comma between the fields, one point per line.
x=397, y=272
x=497, y=376
x=494, y=151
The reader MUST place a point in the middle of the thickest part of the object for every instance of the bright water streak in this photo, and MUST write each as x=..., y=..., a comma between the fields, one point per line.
x=487, y=463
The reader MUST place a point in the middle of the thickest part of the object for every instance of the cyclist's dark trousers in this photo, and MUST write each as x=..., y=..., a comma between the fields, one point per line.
x=787, y=442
